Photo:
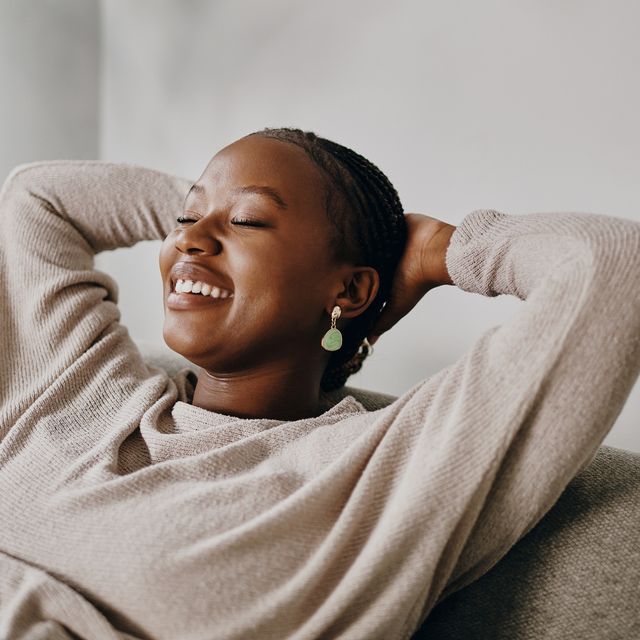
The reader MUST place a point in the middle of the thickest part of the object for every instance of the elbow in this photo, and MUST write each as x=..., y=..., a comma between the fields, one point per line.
x=21, y=178
x=615, y=251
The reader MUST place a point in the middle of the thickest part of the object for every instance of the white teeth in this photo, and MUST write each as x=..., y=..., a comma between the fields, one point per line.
x=189, y=286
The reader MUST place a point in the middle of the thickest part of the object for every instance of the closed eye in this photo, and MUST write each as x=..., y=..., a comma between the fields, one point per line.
x=243, y=222
x=238, y=221
x=247, y=222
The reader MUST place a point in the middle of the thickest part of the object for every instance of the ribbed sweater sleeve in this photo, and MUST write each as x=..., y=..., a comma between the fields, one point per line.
x=525, y=409
x=351, y=524
x=55, y=216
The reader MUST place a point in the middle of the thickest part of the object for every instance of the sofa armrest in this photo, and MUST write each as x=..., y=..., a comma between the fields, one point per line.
x=576, y=574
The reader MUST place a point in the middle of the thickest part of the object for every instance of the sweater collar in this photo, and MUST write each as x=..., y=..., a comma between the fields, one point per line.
x=190, y=417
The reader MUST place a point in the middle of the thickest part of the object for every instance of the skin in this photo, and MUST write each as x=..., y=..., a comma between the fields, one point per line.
x=259, y=351
x=421, y=268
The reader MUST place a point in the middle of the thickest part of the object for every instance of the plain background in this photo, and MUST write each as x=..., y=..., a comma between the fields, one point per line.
x=518, y=106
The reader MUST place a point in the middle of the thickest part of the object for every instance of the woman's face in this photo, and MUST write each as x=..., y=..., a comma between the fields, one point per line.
x=280, y=272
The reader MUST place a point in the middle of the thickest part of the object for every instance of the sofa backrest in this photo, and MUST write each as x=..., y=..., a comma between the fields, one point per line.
x=576, y=574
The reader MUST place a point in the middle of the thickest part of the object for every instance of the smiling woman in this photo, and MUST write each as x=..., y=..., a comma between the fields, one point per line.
x=285, y=221
x=239, y=501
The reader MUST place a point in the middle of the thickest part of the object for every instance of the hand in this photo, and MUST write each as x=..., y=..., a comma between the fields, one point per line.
x=421, y=268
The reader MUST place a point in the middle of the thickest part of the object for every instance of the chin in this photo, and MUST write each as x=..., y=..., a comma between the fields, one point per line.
x=185, y=346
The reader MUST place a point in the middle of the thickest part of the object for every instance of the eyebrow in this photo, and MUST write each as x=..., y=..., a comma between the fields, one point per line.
x=195, y=188
x=268, y=192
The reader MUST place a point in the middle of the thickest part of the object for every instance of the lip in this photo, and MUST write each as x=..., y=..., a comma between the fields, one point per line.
x=191, y=270
x=192, y=300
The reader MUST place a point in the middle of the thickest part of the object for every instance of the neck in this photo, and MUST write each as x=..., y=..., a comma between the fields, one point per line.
x=275, y=392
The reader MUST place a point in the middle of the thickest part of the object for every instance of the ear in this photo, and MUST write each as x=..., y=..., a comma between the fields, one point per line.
x=360, y=287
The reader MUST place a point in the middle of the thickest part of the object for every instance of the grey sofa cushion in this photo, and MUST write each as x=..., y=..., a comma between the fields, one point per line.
x=576, y=574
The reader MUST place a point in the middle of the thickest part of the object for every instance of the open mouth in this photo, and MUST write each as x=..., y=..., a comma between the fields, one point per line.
x=189, y=293
x=201, y=288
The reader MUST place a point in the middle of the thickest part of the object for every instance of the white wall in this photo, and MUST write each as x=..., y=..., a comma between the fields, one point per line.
x=518, y=106
x=49, y=79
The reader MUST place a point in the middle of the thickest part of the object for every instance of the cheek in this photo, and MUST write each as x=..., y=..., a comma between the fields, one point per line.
x=287, y=271
x=165, y=258
x=280, y=288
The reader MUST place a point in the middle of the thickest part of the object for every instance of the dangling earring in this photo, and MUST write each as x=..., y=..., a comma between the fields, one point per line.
x=368, y=346
x=332, y=340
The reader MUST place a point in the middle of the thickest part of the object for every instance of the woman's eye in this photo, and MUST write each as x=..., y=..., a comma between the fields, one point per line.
x=247, y=222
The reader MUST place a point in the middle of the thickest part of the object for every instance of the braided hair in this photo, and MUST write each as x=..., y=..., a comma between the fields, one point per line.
x=369, y=228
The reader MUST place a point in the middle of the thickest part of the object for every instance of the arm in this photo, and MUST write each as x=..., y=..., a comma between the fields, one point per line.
x=561, y=369
x=488, y=444
x=54, y=306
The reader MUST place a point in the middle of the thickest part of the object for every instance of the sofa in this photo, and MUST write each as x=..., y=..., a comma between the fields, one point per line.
x=576, y=574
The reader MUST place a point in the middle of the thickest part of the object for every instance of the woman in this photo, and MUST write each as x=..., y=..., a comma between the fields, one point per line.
x=242, y=503
x=290, y=267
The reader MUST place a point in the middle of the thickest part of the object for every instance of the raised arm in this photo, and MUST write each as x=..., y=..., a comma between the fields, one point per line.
x=484, y=448
x=54, y=306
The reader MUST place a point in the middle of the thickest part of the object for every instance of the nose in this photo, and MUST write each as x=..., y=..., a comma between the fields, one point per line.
x=194, y=239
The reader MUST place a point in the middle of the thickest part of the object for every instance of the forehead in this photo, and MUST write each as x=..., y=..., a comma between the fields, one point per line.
x=264, y=162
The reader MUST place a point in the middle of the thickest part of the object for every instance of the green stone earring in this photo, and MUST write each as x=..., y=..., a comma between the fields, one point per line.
x=332, y=340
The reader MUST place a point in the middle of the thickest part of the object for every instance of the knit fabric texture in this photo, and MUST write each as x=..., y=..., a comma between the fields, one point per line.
x=127, y=512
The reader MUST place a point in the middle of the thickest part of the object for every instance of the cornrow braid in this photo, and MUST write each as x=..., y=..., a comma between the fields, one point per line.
x=369, y=228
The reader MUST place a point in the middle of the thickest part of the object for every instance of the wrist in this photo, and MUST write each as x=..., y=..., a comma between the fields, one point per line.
x=435, y=270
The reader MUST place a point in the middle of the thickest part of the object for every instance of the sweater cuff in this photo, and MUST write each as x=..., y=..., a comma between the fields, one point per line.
x=474, y=241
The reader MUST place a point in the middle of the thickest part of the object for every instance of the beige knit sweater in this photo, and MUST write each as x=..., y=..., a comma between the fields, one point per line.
x=125, y=511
